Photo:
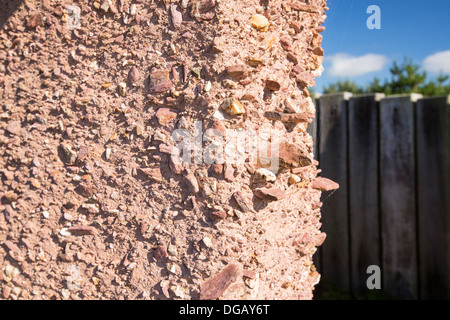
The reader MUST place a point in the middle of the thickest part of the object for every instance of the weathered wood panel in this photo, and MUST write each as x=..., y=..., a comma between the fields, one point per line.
x=433, y=194
x=397, y=197
x=313, y=128
x=363, y=125
x=314, y=131
x=333, y=162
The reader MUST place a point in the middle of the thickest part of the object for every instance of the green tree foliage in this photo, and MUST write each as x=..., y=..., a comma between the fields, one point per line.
x=376, y=86
x=436, y=87
x=343, y=85
x=406, y=77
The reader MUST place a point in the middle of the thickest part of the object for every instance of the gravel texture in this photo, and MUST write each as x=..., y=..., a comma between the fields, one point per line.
x=95, y=203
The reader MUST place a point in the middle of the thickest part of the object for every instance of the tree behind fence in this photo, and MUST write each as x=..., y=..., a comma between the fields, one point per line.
x=391, y=157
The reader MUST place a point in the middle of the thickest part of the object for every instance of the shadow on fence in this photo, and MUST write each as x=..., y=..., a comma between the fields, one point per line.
x=391, y=157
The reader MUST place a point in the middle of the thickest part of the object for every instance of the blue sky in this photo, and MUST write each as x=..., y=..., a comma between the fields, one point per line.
x=418, y=29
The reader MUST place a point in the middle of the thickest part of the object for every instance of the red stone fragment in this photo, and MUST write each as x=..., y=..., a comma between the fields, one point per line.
x=296, y=25
x=316, y=205
x=176, y=18
x=218, y=125
x=11, y=246
x=143, y=228
x=82, y=152
x=206, y=5
x=219, y=214
x=165, y=116
x=291, y=156
x=320, y=29
x=324, y=184
x=273, y=85
x=237, y=72
x=192, y=183
x=240, y=201
x=165, y=148
x=289, y=117
x=85, y=190
x=159, y=81
x=217, y=168
x=319, y=239
x=81, y=230
x=286, y=43
x=318, y=51
x=13, y=127
x=152, y=173
x=32, y=21
x=228, y=172
x=306, y=79
x=160, y=253
x=214, y=287
x=58, y=11
x=292, y=57
x=249, y=274
x=245, y=82
x=273, y=194
x=6, y=291
x=296, y=70
x=295, y=5
x=175, y=164
x=133, y=75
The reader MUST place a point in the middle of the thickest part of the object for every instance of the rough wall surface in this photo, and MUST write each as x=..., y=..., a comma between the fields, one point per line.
x=95, y=203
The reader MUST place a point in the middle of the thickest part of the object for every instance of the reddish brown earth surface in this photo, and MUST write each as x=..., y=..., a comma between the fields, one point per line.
x=93, y=206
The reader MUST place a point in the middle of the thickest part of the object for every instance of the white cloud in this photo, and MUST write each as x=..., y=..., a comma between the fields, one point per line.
x=438, y=62
x=345, y=65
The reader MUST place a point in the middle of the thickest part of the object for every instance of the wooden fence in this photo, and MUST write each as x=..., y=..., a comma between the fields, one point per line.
x=391, y=157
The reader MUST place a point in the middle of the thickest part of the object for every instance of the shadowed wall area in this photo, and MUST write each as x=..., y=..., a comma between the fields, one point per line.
x=8, y=7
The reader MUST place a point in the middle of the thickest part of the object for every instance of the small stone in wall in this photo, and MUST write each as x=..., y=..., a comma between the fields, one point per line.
x=192, y=183
x=266, y=175
x=80, y=230
x=70, y=155
x=160, y=253
x=232, y=106
x=324, y=184
x=273, y=85
x=122, y=88
x=159, y=81
x=319, y=239
x=273, y=194
x=291, y=156
x=239, y=198
x=237, y=71
x=133, y=76
x=13, y=127
x=260, y=22
x=176, y=18
x=228, y=172
x=165, y=116
x=214, y=287
x=293, y=179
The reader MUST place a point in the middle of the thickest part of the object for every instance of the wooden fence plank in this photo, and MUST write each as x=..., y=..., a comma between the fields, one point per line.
x=363, y=169
x=313, y=128
x=333, y=162
x=314, y=131
x=433, y=192
x=397, y=196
